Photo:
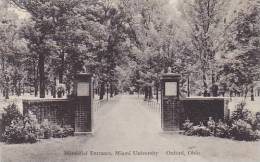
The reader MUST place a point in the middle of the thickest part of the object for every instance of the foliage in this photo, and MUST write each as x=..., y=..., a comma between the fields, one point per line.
x=222, y=130
x=198, y=131
x=242, y=124
x=187, y=125
x=26, y=129
x=240, y=127
x=242, y=130
x=21, y=130
x=242, y=113
x=48, y=130
x=59, y=132
x=239, y=63
x=11, y=113
x=141, y=38
x=202, y=17
x=11, y=50
x=45, y=130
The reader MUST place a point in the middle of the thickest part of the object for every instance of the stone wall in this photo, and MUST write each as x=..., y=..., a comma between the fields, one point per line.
x=200, y=109
x=57, y=111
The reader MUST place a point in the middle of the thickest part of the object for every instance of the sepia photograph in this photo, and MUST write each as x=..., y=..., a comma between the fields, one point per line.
x=129, y=80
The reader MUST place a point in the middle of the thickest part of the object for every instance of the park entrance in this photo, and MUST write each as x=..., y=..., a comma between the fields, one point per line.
x=78, y=110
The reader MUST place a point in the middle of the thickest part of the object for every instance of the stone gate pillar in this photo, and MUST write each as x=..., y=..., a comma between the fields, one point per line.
x=170, y=102
x=83, y=103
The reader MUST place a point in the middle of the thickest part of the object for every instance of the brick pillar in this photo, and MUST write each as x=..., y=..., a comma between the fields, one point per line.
x=171, y=109
x=84, y=101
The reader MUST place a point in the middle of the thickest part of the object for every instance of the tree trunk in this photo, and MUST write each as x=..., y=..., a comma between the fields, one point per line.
x=35, y=82
x=19, y=89
x=157, y=92
x=102, y=91
x=24, y=89
x=150, y=92
x=246, y=91
x=205, y=85
x=54, y=89
x=3, y=72
x=138, y=89
x=107, y=89
x=111, y=91
x=213, y=80
x=7, y=88
x=252, y=94
x=7, y=92
x=41, y=75
x=61, y=71
x=188, y=86
x=146, y=95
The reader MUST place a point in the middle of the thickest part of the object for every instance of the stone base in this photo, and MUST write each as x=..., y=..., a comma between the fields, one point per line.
x=82, y=133
x=173, y=132
x=175, y=129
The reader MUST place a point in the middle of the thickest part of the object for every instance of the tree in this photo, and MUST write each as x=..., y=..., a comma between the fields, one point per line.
x=9, y=51
x=204, y=20
x=240, y=62
x=52, y=34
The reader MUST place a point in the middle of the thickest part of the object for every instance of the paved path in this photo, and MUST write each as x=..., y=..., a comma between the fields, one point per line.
x=126, y=130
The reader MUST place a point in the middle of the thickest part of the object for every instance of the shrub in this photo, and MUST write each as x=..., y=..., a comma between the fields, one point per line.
x=211, y=125
x=242, y=126
x=59, y=132
x=45, y=130
x=11, y=112
x=243, y=122
x=241, y=130
x=21, y=130
x=187, y=125
x=68, y=131
x=199, y=130
x=25, y=129
x=222, y=130
x=241, y=113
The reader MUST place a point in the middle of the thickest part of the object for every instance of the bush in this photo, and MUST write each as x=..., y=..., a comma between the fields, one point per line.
x=21, y=130
x=11, y=112
x=241, y=113
x=211, y=124
x=241, y=130
x=59, y=132
x=222, y=130
x=25, y=129
x=187, y=125
x=45, y=130
x=68, y=131
x=243, y=122
x=242, y=126
x=199, y=130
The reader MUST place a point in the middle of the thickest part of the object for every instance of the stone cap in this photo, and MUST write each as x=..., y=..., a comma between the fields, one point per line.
x=83, y=76
x=171, y=76
x=45, y=100
x=205, y=98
